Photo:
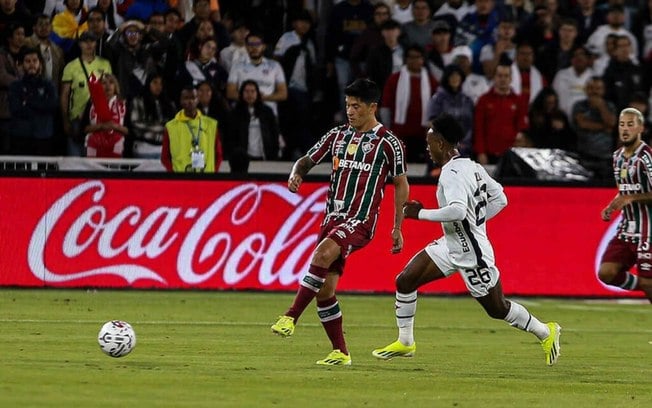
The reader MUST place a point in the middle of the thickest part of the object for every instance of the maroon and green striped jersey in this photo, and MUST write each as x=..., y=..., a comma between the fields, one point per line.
x=634, y=176
x=361, y=164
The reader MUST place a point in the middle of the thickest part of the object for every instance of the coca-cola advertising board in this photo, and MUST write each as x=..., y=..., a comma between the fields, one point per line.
x=216, y=234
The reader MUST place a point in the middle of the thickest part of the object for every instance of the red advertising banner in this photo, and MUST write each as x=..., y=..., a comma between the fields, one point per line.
x=175, y=234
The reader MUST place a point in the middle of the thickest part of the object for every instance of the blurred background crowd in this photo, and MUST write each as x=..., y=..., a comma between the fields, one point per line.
x=126, y=78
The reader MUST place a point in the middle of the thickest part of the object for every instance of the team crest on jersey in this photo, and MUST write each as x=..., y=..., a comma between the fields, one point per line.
x=367, y=147
x=352, y=149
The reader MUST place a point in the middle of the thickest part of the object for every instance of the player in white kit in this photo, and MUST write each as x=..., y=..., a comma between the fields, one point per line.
x=467, y=198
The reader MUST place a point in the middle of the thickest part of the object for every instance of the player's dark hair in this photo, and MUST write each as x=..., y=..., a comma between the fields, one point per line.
x=448, y=128
x=365, y=89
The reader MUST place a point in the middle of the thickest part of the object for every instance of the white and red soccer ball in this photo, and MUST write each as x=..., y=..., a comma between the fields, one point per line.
x=117, y=338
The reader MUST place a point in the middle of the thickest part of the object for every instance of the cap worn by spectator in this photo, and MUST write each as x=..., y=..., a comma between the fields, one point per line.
x=462, y=51
x=132, y=23
x=87, y=36
x=441, y=26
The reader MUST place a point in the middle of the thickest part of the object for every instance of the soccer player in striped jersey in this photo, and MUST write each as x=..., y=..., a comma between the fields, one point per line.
x=468, y=197
x=632, y=164
x=364, y=154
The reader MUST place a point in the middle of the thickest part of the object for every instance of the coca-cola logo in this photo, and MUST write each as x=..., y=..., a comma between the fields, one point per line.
x=190, y=235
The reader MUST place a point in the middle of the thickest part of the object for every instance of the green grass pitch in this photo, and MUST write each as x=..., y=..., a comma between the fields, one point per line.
x=215, y=349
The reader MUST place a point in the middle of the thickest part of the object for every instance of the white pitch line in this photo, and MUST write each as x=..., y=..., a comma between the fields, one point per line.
x=303, y=324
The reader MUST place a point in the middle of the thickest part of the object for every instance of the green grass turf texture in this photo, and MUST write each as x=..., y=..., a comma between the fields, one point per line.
x=214, y=349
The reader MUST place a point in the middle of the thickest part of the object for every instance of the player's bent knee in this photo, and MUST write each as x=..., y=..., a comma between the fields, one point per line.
x=404, y=284
x=607, y=273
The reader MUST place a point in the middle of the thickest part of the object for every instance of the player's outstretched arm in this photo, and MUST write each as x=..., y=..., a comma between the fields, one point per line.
x=299, y=170
x=401, y=194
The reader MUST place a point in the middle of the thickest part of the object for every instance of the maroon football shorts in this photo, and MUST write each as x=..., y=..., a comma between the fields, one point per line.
x=629, y=254
x=350, y=234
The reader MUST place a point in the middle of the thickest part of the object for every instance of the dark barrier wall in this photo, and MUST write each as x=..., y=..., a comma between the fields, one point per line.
x=219, y=234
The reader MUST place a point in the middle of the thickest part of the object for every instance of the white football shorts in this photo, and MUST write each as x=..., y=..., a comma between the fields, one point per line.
x=478, y=280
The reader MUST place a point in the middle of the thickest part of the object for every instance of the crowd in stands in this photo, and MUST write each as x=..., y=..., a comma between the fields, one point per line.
x=195, y=82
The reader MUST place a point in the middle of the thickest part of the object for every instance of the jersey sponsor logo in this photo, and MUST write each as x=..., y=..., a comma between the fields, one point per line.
x=340, y=234
x=336, y=162
x=460, y=234
x=644, y=255
x=629, y=187
x=645, y=266
x=352, y=164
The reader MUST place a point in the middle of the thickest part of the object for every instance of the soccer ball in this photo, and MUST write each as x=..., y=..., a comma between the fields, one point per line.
x=117, y=338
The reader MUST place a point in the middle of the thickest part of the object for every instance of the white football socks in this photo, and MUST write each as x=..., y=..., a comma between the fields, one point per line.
x=519, y=317
x=406, y=308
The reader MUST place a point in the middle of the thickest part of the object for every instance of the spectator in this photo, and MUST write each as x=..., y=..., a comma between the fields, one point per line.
x=74, y=90
x=8, y=74
x=266, y=72
x=499, y=119
x=588, y=18
x=477, y=29
x=450, y=99
x=404, y=103
x=615, y=25
x=540, y=29
x=368, y=39
x=68, y=25
x=440, y=48
x=642, y=29
x=205, y=30
x=623, y=77
x=105, y=136
x=202, y=12
x=213, y=103
x=204, y=68
x=474, y=85
x=527, y=80
x=97, y=26
x=148, y=114
x=52, y=54
x=419, y=30
x=237, y=51
x=641, y=102
x=518, y=10
x=402, y=11
x=112, y=19
x=296, y=53
x=453, y=11
x=502, y=44
x=594, y=119
x=348, y=19
x=253, y=132
x=548, y=125
x=33, y=103
x=132, y=62
x=387, y=58
x=191, y=141
x=557, y=55
x=12, y=14
x=570, y=83
x=600, y=62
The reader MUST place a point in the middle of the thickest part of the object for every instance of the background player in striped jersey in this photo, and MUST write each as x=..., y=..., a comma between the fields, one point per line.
x=467, y=198
x=632, y=164
x=364, y=155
